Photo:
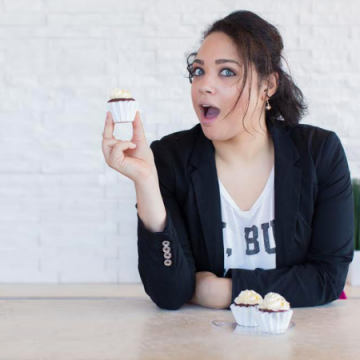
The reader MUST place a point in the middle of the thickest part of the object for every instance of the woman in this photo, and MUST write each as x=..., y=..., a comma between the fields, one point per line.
x=248, y=198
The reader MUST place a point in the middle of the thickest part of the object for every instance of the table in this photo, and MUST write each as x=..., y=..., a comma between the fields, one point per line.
x=125, y=324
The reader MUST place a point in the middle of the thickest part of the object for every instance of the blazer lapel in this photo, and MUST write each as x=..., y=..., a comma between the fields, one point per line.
x=287, y=195
x=288, y=174
x=207, y=193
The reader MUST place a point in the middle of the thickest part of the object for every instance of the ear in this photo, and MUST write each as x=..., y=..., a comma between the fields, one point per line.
x=272, y=84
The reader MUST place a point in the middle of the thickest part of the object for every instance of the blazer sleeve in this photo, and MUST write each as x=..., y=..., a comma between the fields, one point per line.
x=169, y=287
x=322, y=277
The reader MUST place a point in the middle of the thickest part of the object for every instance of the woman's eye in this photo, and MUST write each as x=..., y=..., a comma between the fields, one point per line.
x=194, y=71
x=228, y=72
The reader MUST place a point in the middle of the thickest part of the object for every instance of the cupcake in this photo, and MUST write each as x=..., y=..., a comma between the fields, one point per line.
x=245, y=307
x=122, y=106
x=274, y=314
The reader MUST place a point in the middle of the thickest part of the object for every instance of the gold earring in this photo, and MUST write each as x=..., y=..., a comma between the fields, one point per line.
x=268, y=107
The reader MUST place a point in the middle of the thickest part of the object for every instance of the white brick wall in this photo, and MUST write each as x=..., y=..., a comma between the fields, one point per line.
x=65, y=216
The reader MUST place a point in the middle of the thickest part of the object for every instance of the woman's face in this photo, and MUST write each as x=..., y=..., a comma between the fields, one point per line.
x=219, y=84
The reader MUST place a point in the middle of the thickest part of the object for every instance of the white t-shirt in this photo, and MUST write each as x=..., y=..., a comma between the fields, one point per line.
x=249, y=241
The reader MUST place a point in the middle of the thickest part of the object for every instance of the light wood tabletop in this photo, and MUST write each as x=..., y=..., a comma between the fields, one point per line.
x=96, y=290
x=103, y=322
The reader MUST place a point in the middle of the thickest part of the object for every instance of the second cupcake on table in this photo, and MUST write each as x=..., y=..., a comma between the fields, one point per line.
x=245, y=307
x=274, y=314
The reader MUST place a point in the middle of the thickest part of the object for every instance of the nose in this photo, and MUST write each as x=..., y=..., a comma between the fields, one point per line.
x=206, y=89
x=206, y=86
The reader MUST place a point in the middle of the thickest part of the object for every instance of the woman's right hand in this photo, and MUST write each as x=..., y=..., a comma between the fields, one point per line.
x=134, y=158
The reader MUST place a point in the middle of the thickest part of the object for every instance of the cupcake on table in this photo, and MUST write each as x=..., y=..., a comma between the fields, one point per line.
x=274, y=314
x=245, y=307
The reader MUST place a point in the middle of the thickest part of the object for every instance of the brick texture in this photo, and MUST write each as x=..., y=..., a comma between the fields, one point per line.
x=65, y=216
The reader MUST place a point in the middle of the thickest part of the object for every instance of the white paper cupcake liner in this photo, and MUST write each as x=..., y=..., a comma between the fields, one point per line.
x=123, y=111
x=245, y=316
x=274, y=322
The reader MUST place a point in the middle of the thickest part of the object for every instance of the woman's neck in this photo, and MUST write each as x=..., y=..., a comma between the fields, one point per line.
x=245, y=149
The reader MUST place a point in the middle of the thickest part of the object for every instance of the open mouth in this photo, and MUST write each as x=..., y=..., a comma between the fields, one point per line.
x=206, y=109
x=210, y=112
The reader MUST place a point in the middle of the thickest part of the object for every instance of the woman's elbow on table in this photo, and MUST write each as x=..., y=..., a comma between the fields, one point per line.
x=169, y=302
x=167, y=295
x=169, y=305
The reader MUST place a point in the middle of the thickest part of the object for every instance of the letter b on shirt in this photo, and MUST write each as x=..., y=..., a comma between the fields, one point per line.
x=252, y=243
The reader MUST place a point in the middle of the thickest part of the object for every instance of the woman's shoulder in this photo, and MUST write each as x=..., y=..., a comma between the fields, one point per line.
x=311, y=129
x=310, y=135
x=323, y=145
x=307, y=130
x=310, y=141
x=184, y=140
x=182, y=135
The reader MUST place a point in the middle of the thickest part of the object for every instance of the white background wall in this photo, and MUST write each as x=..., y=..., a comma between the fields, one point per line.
x=65, y=216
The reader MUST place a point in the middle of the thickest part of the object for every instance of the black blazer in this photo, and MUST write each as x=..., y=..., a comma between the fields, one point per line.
x=314, y=219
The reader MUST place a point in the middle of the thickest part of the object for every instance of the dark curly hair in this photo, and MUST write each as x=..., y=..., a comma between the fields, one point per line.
x=260, y=43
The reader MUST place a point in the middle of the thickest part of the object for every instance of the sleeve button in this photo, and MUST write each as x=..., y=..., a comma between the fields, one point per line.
x=166, y=243
x=167, y=262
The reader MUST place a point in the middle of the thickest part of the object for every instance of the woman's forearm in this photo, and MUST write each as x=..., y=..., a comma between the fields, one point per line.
x=211, y=291
x=150, y=205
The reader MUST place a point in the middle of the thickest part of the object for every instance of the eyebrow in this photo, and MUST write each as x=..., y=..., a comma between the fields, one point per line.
x=218, y=61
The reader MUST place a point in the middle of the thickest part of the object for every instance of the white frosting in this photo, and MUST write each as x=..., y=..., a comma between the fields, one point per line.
x=120, y=94
x=248, y=297
x=275, y=302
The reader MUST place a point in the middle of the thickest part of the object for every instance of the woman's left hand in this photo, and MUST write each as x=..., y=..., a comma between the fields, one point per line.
x=211, y=291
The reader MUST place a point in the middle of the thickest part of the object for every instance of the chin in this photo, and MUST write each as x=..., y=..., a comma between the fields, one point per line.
x=212, y=133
